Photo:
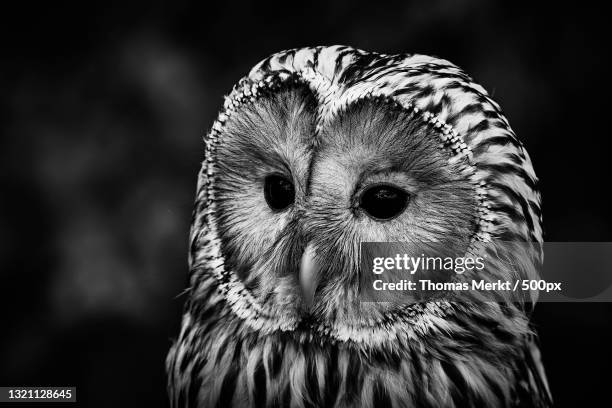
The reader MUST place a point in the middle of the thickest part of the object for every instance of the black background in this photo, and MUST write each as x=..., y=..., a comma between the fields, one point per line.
x=103, y=107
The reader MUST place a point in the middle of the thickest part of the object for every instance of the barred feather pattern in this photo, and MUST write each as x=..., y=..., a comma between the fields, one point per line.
x=232, y=352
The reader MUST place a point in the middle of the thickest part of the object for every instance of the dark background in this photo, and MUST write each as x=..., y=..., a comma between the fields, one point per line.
x=103, y=108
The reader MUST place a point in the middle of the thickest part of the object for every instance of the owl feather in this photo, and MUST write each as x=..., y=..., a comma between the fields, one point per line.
x=326, y=124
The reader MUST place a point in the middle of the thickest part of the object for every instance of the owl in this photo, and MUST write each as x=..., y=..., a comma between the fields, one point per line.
x=315, y=151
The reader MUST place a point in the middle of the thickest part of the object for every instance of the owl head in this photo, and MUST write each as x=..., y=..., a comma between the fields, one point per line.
x=320, y=149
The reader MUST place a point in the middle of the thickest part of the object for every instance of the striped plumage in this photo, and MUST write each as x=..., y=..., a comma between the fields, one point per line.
x=236, y=350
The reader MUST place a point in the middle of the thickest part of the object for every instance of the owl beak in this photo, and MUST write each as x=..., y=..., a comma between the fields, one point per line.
x=309, y=276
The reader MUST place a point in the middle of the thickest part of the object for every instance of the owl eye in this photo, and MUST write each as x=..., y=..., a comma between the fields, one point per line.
x=383, y=201
x=279, y=192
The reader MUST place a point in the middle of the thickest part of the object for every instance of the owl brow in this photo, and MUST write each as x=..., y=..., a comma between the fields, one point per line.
x=374, y=170
x=275, y=161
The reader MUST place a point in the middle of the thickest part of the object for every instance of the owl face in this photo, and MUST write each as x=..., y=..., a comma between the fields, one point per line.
x=295, y=196
x=319, y=149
